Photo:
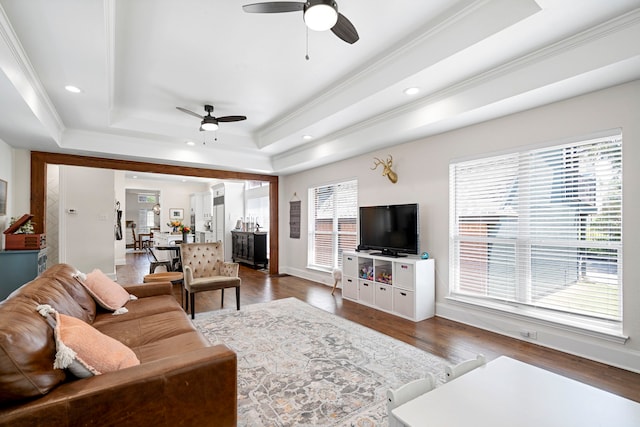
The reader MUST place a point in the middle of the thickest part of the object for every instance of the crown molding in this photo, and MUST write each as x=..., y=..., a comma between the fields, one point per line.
x=20, y=72
x=511, y=11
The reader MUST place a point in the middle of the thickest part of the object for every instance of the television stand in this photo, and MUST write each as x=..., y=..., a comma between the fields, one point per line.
x=389, y=253
x=404, y=287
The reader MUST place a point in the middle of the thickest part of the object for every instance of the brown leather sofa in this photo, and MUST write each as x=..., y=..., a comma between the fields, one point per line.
x=181, y=380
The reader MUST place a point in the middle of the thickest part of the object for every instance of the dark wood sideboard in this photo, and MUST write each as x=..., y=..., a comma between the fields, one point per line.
x=249, y=247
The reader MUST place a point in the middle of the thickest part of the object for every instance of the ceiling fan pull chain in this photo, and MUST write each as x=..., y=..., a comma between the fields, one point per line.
x=307, y=55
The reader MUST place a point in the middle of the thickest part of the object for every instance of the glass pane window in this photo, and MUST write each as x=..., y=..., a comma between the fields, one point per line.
x=541, y=229
x=333, y=215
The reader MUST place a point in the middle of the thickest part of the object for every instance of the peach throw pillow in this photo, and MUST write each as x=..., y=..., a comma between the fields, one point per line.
x=84, y=350
x=107, y=293
x=95, y=352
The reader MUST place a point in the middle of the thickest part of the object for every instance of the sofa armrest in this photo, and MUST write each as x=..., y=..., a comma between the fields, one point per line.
x=152, y=289
x=195, y=388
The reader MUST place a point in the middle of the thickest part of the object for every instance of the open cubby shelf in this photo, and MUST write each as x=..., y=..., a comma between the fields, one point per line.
x=400, y=286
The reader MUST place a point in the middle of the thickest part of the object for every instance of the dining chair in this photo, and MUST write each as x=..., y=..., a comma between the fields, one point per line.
x=405, y=393
x=454, y=371
x=155, y=263
x=204, y=269
x=135, y=238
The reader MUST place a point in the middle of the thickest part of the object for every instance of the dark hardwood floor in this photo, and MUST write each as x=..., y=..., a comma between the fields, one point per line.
x=450, y=340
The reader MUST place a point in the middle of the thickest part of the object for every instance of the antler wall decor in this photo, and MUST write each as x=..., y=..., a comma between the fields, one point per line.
x=386, y=171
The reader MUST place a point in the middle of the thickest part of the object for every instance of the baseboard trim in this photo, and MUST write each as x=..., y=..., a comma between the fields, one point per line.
x=314, y=276
x=602, y=351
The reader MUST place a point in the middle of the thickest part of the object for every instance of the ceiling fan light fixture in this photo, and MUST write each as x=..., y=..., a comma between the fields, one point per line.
x=209, y=124
x=321, y=15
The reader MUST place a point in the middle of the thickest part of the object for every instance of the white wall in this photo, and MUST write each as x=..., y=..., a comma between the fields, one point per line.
x=120, y=246
x=6, y=174
x=21, y=198
x=422, y=167
x=87, y=236
x=15, y=168
x=173, y=195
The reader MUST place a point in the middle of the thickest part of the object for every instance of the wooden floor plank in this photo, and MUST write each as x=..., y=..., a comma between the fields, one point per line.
x=447, y=339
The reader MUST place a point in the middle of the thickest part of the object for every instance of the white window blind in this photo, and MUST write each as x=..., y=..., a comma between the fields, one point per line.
x=333, y=214
x=541, y=230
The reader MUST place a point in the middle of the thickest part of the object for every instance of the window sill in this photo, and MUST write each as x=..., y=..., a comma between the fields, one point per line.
x=589, y=327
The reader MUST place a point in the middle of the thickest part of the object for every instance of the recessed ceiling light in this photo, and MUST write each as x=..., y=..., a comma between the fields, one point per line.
x=135, y=176
x=73, y=89
x=190, y=143
x=307, y=137
x=411, y=91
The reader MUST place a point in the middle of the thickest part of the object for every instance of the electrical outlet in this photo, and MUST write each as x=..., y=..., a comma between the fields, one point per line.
x=529, y=334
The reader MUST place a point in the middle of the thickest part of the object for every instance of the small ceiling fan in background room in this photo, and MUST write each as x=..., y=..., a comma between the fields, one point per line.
x=210, y=122
x=318, y=15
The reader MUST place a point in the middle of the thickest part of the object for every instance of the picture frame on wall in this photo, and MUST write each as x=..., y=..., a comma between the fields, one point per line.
x=176, y=214
x=3, y=196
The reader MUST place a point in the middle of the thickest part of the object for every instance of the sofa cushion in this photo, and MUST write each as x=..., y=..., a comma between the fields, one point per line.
x=85, y=351
x=172, y=346
x=55, y=292
x=144, y=330
x=141, y=307
x=65, y=275
x=27, y=351
x=107, y=293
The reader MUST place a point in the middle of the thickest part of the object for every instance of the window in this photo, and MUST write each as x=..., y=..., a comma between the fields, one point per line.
x=333, y=215
x=147, y=198
x=539, y=232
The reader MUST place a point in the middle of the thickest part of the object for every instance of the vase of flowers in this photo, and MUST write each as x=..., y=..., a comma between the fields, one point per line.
x=175, y=225
x=185, y=229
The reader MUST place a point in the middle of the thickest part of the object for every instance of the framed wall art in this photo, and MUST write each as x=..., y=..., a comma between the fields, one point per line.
x=176, y=214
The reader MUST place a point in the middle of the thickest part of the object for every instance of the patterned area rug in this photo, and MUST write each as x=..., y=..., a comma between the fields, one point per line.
x=301, y=366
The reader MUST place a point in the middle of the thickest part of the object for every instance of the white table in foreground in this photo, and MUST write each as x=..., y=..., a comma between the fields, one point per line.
x=509, y=393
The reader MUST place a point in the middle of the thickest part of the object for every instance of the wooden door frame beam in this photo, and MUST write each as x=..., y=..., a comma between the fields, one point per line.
x=40, y=160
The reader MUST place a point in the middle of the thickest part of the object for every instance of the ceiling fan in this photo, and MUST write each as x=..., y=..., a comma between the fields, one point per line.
x=210, y=122
x=319, y=15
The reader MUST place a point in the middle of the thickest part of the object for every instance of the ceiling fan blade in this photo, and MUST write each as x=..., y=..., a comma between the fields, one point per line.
x=345, y=30
x=273, y=7
x=231, y=118
x=184, y=110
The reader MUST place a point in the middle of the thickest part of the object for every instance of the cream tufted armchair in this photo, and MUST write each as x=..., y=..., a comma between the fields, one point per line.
x=205, y=270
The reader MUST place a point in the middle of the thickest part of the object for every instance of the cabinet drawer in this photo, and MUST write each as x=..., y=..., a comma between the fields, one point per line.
x=404, y=302
x=350, y=265
x=403, y=275
x=384, y=297
x=350, y=288
x=365, y=290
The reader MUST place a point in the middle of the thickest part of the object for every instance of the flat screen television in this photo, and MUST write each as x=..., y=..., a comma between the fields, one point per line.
x=394, y=230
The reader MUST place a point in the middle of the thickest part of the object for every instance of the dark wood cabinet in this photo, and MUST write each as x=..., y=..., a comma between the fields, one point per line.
x=250, y=248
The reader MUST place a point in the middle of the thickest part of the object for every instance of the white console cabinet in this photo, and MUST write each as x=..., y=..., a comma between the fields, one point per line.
x=402, y=286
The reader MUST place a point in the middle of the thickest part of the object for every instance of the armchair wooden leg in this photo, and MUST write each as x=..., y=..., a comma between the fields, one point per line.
x=192, y=295
x=222, y=302
x=238, y=297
